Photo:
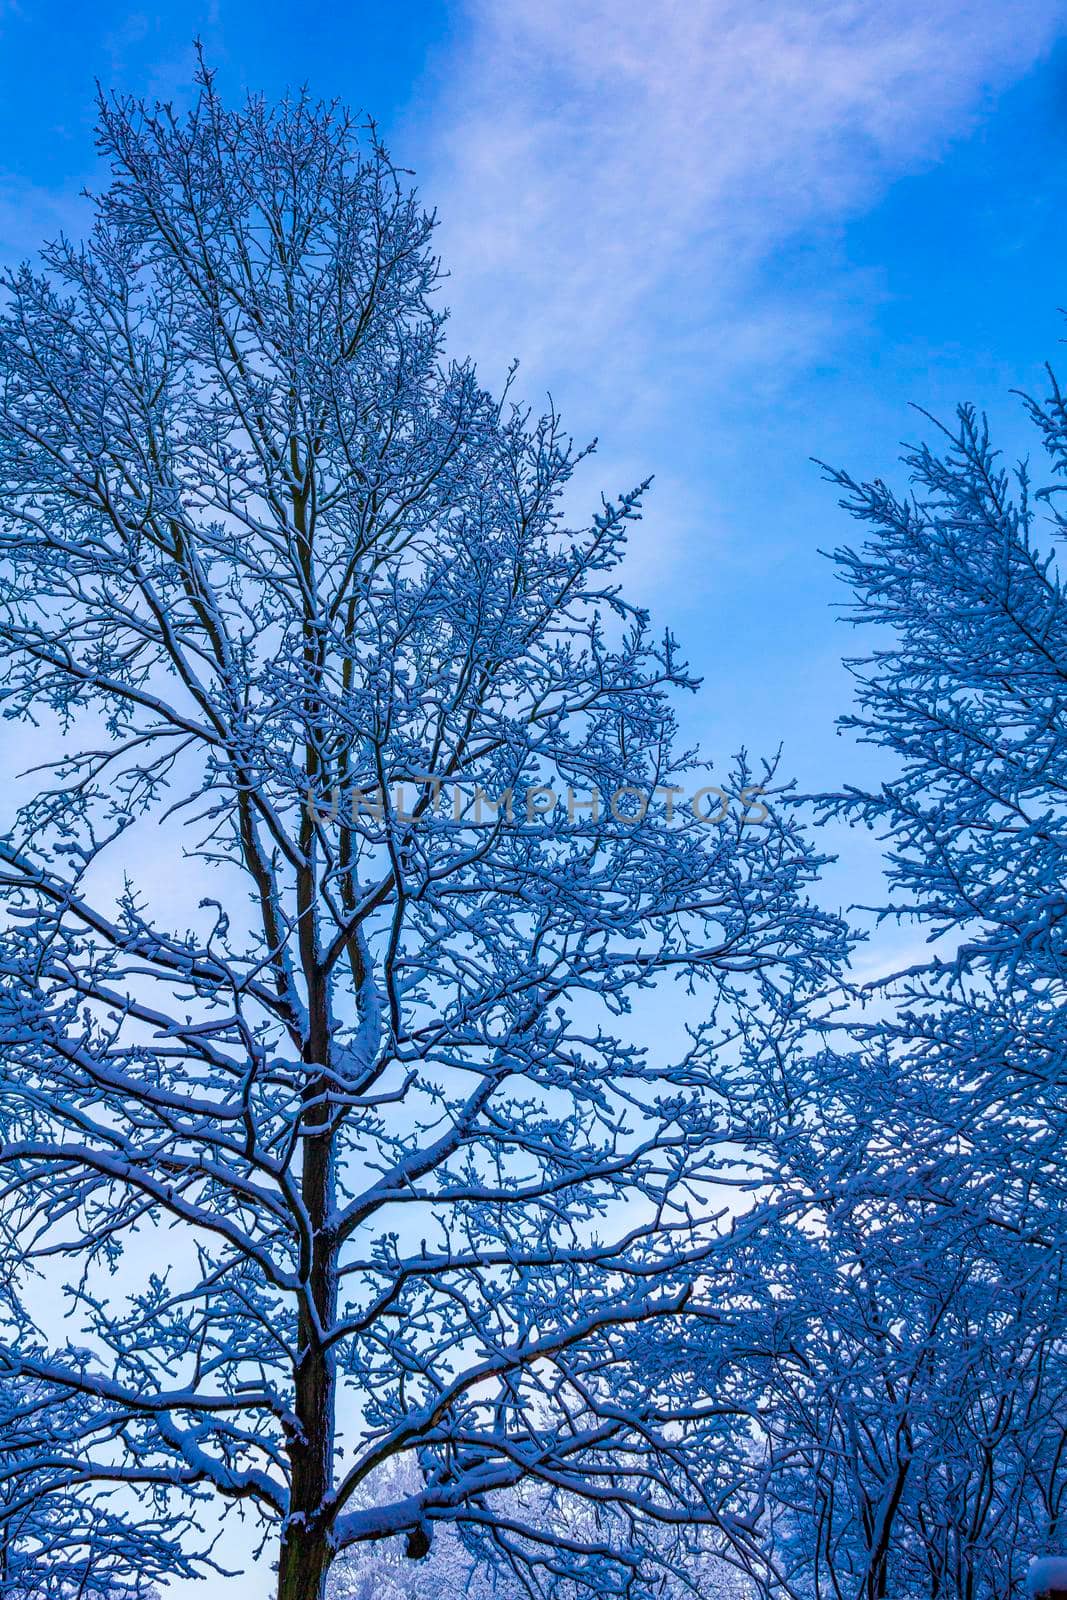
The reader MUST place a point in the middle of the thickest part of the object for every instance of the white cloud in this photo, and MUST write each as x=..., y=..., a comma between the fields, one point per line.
x=613, y=173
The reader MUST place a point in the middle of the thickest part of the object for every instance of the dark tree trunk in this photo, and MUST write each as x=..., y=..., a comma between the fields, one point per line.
x=303, y=1565
x=306, y=1551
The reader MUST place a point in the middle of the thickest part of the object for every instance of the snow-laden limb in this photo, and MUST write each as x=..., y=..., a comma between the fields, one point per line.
x=409, y=1189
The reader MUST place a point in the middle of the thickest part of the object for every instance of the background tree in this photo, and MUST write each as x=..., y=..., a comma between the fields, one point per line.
x=908, y=1344
x=967, y=694
x=459, y=1564
x=913, y=1398
x=331, y=1138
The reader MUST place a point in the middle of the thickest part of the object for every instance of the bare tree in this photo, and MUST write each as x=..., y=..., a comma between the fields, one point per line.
x=913, y=1407
x=352, y=1164
x=926, y=1405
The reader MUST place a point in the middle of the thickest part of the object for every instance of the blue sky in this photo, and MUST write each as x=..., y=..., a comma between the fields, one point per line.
x=727, y=237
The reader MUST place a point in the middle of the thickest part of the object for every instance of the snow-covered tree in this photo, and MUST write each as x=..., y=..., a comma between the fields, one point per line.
x=323, y=1121
x=914, y=1394
x=967, y=694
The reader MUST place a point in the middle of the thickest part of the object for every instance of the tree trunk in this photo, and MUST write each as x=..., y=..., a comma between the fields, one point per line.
x=303, y=1565
x=306, y=1552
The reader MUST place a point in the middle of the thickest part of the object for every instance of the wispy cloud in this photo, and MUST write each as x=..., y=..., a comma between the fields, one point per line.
x=613, y=174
